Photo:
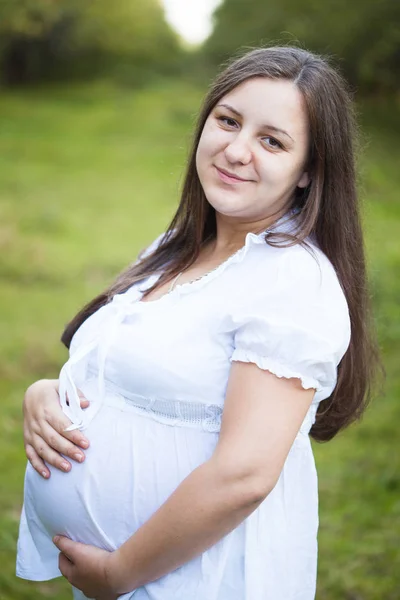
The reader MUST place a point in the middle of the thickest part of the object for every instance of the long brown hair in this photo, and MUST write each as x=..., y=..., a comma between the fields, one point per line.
x=328, y=209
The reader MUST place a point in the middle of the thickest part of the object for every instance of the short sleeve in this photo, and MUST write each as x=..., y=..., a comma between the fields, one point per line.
x=296, y=323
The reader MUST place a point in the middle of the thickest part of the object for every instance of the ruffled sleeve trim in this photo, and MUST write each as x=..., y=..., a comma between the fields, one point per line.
x=280, y=370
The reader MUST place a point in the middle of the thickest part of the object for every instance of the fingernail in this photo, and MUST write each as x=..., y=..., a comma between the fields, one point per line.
x=78, y=457
x=65, y=466
x=45, y=474
x=84, y=443
x=56, y=538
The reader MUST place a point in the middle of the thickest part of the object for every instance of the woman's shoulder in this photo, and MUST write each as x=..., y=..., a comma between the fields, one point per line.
x=307, y=263
x=300, y=273
x=290, y=264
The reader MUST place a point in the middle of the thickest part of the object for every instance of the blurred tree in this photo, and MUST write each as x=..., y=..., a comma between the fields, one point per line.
x=48, y=38
x=363, y=34
x=26, y=27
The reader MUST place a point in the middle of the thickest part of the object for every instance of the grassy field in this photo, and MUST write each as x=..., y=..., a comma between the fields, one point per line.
x=88, y=177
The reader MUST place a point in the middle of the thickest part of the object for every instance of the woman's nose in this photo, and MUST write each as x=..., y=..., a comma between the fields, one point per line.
x=239, y=150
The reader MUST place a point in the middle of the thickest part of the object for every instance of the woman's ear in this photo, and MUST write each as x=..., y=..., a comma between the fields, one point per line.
x=304, y=180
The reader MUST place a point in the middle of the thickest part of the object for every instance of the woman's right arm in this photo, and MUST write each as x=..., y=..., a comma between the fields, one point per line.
x=45, y=438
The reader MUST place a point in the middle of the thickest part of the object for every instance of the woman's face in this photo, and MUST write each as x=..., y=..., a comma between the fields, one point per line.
x=253, y=150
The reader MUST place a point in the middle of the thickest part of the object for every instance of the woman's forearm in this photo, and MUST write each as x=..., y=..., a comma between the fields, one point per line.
x=204, y=508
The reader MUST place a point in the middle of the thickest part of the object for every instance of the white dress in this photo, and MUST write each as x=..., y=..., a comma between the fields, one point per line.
x=156, y=374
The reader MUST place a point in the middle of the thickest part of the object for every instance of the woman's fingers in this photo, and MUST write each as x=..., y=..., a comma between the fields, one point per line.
x=46, y=453
x=59, y=422
x=76, y=437
x=46, y=440
x=36, y=462
x=84, y=403
x=60, y=443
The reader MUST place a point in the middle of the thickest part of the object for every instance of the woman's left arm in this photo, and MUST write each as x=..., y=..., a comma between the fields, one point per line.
x=261, y=418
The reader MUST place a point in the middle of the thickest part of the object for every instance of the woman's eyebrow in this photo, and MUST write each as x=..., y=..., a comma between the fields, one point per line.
x=270, y=127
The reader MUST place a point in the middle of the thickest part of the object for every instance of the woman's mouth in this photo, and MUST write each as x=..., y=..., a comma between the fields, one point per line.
x=228, y=177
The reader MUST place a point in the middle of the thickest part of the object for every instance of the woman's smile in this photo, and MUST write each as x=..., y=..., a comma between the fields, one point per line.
x=230, y=178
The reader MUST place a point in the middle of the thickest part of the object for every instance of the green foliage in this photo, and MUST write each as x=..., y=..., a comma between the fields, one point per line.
x=27, y=17
x=364, y=35
x=89, y=176
x=45, y=39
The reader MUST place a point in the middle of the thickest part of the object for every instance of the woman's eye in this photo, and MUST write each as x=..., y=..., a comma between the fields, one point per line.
x=272, y=142
x=228, y=121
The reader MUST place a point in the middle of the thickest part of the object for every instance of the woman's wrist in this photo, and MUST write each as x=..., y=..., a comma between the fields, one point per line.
x=118, y=574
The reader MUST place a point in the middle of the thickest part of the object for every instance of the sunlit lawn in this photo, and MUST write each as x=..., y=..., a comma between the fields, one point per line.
x=88, y=177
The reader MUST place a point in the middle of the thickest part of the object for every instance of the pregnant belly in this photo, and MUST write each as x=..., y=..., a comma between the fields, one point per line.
x=132, y=466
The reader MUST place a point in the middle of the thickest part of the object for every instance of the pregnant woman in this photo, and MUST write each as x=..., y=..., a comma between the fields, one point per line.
x=198, y=376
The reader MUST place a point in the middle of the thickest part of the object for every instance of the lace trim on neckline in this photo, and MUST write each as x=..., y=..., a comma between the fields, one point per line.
x=283, y=225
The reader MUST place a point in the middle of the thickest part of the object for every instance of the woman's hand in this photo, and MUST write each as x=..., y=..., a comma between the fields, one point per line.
x=45, y=437
x=90, y=569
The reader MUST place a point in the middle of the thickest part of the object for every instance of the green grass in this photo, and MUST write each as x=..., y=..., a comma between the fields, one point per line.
x=89, y=176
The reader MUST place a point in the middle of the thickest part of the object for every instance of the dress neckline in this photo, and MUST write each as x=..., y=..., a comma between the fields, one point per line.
x=284, y=224
x=186, y=285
